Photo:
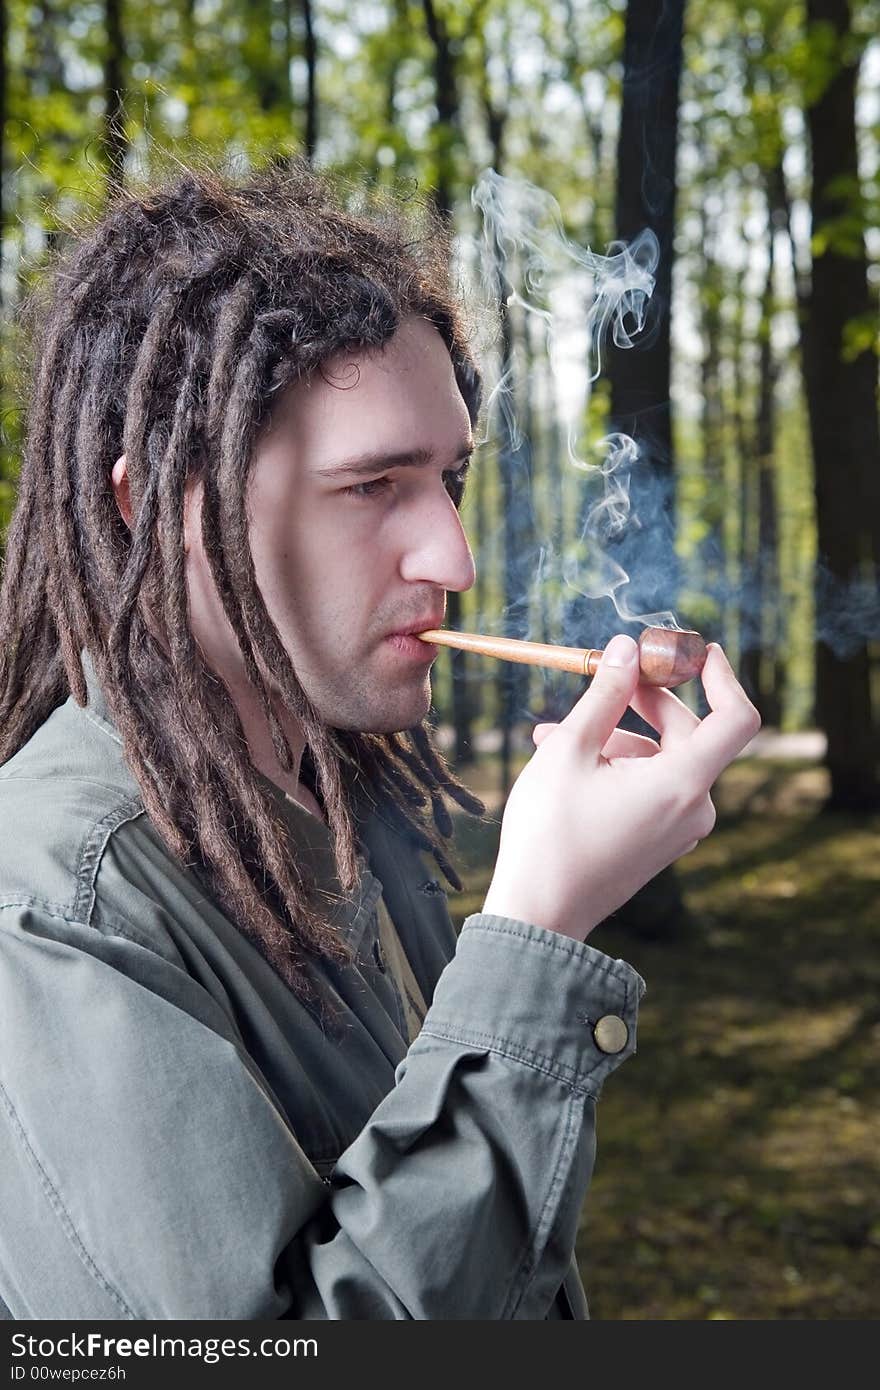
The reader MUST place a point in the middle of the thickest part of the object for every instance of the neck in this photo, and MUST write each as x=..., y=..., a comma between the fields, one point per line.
x=262, y=753
x=256, y=729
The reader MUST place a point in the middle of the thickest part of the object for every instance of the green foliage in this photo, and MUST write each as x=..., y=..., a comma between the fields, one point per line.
x=542, y=79
x=844, y=233
x=861, y=335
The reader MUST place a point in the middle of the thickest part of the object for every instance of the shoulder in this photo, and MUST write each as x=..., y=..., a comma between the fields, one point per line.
x=77, y=842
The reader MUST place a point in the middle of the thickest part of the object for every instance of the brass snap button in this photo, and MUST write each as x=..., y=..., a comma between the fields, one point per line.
x=611, y=1034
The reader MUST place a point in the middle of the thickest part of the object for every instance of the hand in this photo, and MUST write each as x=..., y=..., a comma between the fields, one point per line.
x=597, y=812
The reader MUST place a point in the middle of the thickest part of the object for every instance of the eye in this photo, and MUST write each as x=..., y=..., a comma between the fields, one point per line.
x=370, y=489
x=455, y=481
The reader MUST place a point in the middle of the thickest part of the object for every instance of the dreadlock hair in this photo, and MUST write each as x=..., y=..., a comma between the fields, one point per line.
x=163, y=331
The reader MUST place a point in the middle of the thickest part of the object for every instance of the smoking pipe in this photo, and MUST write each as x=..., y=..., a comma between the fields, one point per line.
x=667, y=657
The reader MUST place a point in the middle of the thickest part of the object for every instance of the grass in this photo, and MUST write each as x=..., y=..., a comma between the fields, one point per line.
x=737, y=1168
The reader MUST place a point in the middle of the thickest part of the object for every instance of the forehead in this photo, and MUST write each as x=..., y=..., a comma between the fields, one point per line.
x=402, y=397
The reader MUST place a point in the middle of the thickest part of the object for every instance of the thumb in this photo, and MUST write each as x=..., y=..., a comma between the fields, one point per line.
x=596, y=714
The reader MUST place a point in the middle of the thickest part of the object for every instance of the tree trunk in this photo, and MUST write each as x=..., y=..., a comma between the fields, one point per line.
x=712, y=557
x=515, y=473
x=747, y=636
x=842, y=405
x=114, y=138
x=310, y=52
x=446, y=100
x=593, y=130
x=640, y=377
x=761, y=671
x=3, y=115
x=189, y=65
x=514, y=467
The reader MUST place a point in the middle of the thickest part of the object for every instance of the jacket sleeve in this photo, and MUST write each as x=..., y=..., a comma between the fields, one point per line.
x=146, y=1172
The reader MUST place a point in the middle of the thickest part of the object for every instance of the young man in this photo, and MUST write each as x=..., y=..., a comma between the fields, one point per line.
x=246, y=1069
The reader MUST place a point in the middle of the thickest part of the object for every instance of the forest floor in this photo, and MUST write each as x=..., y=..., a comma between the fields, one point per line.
x=737, y=1172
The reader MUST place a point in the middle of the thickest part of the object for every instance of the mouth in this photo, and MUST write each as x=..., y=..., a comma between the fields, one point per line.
x=428, y=624
x=408, y=645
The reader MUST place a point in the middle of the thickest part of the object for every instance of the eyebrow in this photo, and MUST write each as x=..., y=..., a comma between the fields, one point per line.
x=374, y=463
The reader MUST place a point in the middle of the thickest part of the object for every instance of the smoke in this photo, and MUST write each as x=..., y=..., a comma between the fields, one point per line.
x=620, y=563
x=580, y=300
x=847, y=614
x=522, y=224
x=590, y=569
x=843, y=614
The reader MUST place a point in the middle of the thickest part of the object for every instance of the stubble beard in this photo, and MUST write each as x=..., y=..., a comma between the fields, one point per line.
x=364, y=706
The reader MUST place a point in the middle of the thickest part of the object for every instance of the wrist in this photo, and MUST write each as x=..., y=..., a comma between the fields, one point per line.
x=521, y=907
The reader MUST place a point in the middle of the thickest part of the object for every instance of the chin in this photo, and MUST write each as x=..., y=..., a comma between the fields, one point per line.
x=373, y=706
x=392, y=717
x=388, y=724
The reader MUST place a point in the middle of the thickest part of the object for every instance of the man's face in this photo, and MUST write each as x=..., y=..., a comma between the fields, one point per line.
x=354, y=534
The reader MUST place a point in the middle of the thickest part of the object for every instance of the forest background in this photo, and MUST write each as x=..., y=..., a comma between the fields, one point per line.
x=746, y=138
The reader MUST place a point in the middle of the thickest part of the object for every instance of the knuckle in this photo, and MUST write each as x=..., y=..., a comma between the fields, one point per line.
x=706, y=820
x=696, y=811
x=751, y=719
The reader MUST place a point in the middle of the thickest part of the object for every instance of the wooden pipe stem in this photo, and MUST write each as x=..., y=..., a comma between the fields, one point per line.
x=576, y=659
x=667, y=656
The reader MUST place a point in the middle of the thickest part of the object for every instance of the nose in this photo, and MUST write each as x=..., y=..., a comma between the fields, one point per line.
x=437, y=550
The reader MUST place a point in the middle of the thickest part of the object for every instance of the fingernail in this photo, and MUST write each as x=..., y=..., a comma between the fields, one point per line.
x=621, y=651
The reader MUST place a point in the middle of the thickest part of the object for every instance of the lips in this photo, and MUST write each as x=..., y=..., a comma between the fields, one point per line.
x=422, y=625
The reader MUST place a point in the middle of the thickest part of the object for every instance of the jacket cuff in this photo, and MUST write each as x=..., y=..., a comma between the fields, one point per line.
x=538, y=998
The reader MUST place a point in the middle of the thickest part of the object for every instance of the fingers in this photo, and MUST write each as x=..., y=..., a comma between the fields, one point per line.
x=666, y=713
x=710, y=744
x=623, y=744
x=732, y=722
x=595, y=716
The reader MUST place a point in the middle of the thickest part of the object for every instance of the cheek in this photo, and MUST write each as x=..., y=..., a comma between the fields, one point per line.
x=281, y=549
x=308, y=588
x=324, y=571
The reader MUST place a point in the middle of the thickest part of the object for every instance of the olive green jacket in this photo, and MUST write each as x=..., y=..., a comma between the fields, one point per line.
x=180, y=1137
